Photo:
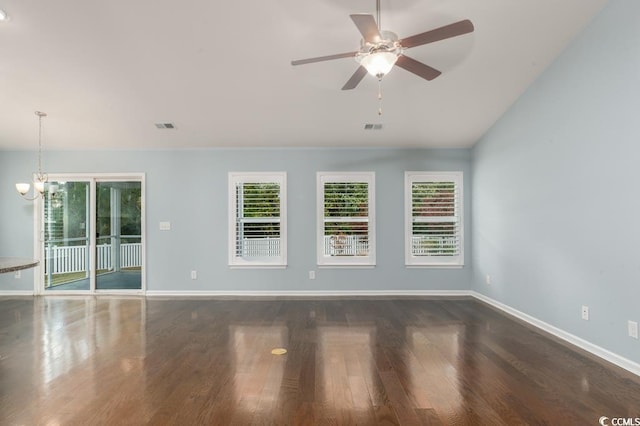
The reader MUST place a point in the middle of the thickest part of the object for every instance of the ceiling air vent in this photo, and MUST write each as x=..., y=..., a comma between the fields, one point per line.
x=370, y=126
x=165, y=126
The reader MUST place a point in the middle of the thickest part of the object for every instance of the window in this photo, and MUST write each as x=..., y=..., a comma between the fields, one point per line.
x=257, y=219
x=346, y=225
x=433, y=219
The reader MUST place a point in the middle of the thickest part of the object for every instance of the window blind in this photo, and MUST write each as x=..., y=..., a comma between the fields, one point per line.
x=258, y=231
x=346, y=218
x=435, y=219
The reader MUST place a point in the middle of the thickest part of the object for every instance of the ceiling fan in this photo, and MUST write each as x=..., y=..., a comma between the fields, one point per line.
x=381, y=50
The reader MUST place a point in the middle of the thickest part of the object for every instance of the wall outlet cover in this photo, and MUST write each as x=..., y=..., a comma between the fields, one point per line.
x=585, y=313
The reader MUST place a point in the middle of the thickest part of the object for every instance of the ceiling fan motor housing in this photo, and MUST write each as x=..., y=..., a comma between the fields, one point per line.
x=388, y=43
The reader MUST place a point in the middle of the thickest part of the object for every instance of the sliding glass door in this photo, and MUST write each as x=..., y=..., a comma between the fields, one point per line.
x=92, y=230
x=66, y=229
x=119, y=235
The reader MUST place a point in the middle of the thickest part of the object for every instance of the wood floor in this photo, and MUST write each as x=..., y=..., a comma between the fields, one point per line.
x=119, y=361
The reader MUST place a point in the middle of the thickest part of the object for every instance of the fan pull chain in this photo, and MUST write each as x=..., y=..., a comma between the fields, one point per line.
x=379, y=96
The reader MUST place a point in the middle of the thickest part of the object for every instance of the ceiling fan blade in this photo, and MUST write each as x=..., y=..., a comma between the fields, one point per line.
x=418, y=68
x=324, y=58
x=448, y=31
x=367, y=26
x=355, y=79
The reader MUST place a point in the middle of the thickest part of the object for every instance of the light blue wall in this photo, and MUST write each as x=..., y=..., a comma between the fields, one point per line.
x=555, y=189
x=16, y=218
x=189, y=188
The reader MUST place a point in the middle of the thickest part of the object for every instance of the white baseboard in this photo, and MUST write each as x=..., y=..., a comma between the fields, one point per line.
x=329, y=293
x=5, y=293
x=600, y=352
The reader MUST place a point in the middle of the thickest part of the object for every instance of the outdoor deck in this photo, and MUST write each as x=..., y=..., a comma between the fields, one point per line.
x=122, y=280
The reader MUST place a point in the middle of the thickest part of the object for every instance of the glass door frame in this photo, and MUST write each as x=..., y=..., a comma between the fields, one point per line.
x=92, y=179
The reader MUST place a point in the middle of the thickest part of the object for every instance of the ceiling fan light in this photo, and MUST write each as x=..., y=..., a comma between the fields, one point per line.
x=378, y=64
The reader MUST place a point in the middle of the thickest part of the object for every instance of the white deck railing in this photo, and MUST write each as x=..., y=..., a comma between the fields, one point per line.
x=424, y=245
x=346, y=245
x=336, y=245
x=66, y=259
x=130, y=255
x=260, y=247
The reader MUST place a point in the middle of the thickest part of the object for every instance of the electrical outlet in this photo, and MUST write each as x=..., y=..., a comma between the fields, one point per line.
x=487, y=279
x=312, y=275
x=194, y=275
x=633, y=329
x=585, y=313
x=18, y=275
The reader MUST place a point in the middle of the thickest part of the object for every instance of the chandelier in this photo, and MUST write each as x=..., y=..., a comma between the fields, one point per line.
x=40, y=178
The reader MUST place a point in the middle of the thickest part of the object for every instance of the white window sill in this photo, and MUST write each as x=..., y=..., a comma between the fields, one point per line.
x=257, y=266
x=346, y=266
x=434, y=266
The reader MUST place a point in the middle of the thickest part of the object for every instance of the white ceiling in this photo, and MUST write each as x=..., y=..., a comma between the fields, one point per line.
x=106, y=71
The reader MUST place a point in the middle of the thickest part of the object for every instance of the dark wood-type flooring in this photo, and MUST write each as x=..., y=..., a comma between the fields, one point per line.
x=119, y=361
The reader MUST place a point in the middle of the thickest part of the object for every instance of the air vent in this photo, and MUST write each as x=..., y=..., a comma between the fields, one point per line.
x=370, y=126
x=165, y=126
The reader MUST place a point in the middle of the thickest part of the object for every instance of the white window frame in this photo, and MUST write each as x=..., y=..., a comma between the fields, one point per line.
x=433, y=261
x=345, y=261
x=236, y=178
